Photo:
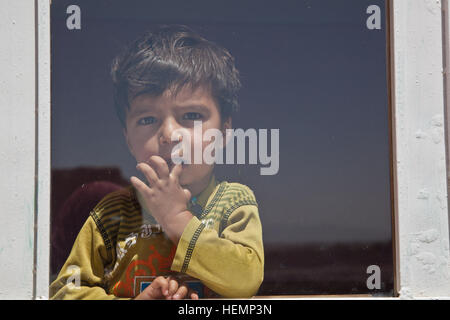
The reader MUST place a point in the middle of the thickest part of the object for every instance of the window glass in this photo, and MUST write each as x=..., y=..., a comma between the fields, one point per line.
x=315, y=92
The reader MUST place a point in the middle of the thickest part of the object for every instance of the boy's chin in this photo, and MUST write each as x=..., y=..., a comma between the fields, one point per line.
x=185, y=180
x=191, y=176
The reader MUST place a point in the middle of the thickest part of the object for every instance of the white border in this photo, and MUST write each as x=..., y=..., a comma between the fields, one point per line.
x=421, y=175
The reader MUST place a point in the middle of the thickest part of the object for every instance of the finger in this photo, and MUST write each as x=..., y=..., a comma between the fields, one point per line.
x=181, y=292
x=139, y=185
x=173, y=286
x=160, y=166
x=176, y=171
x=193, y=295
x=149, y=173
x=162, y=284
x=187, y=193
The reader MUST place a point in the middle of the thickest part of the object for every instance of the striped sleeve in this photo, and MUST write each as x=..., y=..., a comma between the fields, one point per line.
x=228, y=259
x=94, y=248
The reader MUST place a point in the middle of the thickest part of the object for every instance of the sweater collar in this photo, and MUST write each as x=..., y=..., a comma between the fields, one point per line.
x=203, y=197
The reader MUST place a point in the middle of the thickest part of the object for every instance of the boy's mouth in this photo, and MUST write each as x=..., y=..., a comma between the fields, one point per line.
x=171, y=164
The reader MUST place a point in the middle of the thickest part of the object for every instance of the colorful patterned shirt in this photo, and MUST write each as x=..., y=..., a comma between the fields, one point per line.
x=121, y=248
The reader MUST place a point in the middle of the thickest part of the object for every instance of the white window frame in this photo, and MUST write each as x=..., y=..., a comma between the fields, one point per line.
x=419, y=166
x=420, y=174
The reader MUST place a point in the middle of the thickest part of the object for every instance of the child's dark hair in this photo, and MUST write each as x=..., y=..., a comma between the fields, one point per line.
x=171, y=57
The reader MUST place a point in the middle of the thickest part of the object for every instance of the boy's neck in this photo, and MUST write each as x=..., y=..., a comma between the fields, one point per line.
x=200, y=186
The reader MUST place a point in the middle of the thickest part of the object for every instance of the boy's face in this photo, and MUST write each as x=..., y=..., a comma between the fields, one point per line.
x=151, y=120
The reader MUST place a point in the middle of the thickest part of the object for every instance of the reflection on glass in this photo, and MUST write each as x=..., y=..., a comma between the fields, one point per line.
x=315, y=71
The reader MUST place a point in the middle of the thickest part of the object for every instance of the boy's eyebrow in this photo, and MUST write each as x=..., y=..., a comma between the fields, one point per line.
x=199, y=106
x=138, y=111
x=144, y=108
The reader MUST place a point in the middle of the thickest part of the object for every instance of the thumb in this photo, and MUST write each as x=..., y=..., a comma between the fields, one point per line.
x=187, y=193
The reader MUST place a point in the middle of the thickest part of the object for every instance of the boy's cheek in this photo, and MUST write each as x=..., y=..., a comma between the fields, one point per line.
x=187, y=172
x=144, y=154
x=192, y=173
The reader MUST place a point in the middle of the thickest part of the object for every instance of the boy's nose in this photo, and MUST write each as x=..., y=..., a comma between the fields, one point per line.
x=167, y=128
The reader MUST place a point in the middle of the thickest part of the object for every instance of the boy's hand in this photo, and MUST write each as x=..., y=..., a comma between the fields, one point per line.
x=166, y=288
x=164, y=197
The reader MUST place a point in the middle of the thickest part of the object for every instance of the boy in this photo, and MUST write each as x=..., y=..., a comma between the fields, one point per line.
x=180, y=233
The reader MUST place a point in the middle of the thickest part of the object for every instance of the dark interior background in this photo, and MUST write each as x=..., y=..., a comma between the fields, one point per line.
x=309, y=68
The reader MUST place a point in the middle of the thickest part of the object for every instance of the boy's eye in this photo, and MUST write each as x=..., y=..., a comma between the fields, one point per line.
x=146, y=121
x=192, y=116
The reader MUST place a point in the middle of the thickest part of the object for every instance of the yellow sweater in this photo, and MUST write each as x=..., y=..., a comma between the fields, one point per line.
x=121, y=249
